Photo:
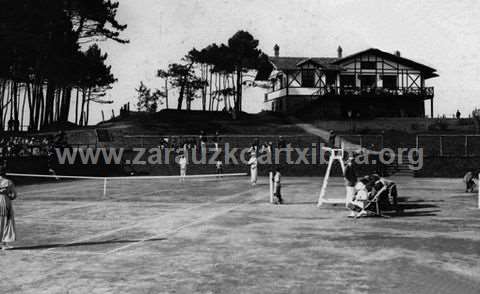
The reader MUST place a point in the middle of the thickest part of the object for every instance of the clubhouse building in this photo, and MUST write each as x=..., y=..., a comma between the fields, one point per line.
x=370, y=83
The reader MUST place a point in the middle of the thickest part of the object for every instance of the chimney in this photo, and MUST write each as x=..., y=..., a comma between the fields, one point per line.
x=397, y=53
x=276, y=50
x=339, y=51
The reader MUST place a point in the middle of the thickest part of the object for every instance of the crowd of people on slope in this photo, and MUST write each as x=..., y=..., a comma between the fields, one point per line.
x=24, y=146
x=186, y=143
x=19, y=146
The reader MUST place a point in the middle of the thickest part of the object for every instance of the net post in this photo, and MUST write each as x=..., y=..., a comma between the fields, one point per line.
x=105, y=187
x=478, y=188
x=270, y=176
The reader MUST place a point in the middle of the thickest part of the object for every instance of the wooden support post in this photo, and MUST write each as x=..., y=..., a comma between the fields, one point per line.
x=441, y=145
x=466, y=146
x=431, y=107
x=104, y=187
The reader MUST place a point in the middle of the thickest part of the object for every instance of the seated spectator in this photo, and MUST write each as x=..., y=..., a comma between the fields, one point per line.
x=281, y=142
x=469, y=180
x=266, y=147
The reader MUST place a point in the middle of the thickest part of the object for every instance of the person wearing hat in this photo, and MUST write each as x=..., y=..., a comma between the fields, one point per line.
x=7, y=220
x=350, y=175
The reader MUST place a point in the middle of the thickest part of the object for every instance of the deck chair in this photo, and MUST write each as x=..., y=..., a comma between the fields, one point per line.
x=385, y=195
x=374, y=201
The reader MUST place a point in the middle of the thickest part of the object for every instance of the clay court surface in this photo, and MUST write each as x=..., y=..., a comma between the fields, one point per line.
x=222, y=236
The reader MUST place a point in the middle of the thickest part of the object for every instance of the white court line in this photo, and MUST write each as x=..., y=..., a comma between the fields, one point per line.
x=148, y=221
x=125, y=178
x=176, y=230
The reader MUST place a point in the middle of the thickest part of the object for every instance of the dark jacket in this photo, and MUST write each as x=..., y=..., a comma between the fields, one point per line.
x=350, y=175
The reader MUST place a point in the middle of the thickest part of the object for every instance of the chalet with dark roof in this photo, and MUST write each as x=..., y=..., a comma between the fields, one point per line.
x=369, y=83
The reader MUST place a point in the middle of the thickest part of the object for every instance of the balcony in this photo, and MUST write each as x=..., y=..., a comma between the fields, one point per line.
x=424, y=93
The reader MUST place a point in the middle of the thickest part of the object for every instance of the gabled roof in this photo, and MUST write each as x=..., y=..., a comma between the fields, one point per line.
x=332, y=63
x=293, y=63
x=428, y=71
x=290, y=63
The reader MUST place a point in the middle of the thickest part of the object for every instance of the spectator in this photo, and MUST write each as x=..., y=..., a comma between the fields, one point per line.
x=203, y=139
x=331, y=139
x=350, y=176
x=219, y=166
x=458, y=114
x=266, y=147
x=216, y=139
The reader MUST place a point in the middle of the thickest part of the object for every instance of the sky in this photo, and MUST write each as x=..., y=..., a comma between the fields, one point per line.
x=442, y=34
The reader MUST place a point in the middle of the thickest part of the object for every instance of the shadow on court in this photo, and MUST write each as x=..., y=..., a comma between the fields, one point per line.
x=82, y=244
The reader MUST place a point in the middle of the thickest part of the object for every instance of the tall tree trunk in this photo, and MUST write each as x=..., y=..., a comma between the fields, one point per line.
x=76, y=107
x=2, y=92
x=89, y=97
x=49, y=104
x=238, y=103
x=182, y=88
x=210, y=87
x=82, y=112
x=42, y=108
x=23, y=106
x=65, y=106
x=30, y=105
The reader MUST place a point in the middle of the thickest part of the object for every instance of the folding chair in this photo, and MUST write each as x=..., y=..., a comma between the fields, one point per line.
x=375, y=201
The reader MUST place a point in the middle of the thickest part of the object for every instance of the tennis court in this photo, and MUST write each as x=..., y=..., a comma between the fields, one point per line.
x=210, y=235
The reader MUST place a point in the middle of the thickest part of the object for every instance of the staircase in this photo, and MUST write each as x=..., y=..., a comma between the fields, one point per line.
x=400, y=168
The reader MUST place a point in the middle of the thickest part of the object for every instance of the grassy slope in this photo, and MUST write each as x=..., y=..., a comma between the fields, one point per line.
x=183, y=122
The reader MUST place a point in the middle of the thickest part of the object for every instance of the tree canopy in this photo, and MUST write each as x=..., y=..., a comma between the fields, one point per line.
x=220, y=70
x=42, y=60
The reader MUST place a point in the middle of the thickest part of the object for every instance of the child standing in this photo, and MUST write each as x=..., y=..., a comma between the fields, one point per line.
x=277, y=187
x=219, y=166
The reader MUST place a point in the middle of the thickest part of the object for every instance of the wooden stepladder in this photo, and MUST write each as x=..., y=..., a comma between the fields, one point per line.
x=335, y=154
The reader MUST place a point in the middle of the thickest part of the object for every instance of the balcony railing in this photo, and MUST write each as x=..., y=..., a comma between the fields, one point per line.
x=425, y=92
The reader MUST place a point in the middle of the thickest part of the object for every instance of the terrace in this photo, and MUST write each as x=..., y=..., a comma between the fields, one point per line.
x=420, y=92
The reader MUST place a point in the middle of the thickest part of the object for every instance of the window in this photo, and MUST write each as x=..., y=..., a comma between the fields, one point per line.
x=331, y=78
x=347, y=81
x=368, y=65
x=389, y=82
x=308, y=78
x=368, y=82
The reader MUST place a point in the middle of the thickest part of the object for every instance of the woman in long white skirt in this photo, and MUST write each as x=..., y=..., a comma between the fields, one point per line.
x=7, y=219
x=253, y=169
